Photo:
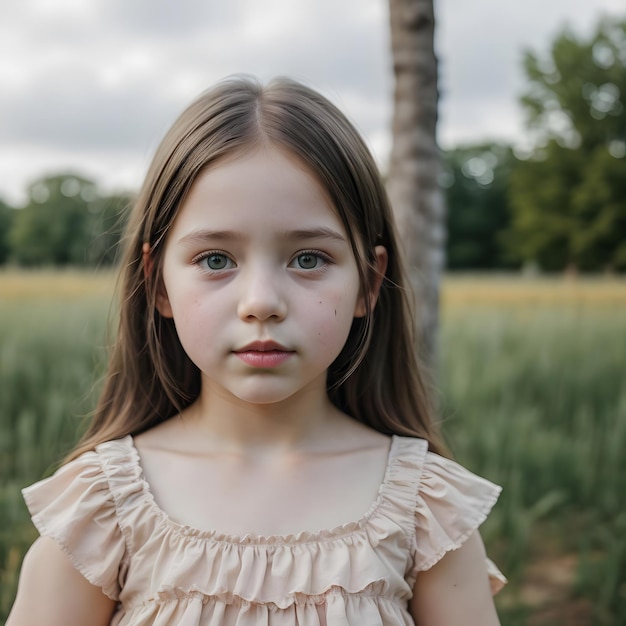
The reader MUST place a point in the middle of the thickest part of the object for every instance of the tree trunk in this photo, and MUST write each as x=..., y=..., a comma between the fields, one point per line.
x=415, y=164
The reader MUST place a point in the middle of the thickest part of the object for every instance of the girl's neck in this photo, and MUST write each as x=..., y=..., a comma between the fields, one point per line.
x=303, y=421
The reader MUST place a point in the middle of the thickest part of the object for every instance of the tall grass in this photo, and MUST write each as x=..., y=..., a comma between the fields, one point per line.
x=536, y=400
x=52, y=333
x=533, y=396
x=533, y=376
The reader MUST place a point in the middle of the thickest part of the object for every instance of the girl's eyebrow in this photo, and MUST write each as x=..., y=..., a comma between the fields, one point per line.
x=203, y=235
x=312, y=233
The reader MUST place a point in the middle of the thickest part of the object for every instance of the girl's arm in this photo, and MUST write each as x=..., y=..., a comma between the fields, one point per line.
x=455, y=591
x=53, y=592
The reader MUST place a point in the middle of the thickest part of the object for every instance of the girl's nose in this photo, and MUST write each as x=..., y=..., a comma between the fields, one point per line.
x=262, y=296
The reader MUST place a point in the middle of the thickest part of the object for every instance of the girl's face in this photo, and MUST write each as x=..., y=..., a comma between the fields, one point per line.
x=260, y=278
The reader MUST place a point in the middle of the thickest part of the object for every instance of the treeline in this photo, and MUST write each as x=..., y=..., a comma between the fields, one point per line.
x=559, y=206
x=66, y=221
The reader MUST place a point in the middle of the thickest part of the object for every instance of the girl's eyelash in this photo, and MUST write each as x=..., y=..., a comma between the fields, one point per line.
x=318, y=253
x=315, y=253
x=207, y=255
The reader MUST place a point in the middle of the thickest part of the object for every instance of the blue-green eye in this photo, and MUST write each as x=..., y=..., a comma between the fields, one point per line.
x=311, y=260
x=307, y=261
x=216, y=262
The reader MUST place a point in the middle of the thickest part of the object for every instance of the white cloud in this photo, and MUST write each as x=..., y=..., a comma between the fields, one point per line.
x=92, y=86
x=481, y=45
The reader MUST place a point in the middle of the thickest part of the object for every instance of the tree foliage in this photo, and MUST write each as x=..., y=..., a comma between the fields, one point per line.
x=66, y=222
x=569, y=197
x=476, y=180
x=7, y=214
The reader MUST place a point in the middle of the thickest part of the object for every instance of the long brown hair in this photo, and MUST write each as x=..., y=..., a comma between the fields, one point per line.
x=377, y=378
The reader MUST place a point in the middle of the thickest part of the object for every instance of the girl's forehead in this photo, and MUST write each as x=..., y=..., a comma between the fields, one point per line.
x=258, y=188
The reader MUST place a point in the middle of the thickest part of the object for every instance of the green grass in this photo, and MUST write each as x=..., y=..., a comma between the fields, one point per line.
x=532, y=397
x=536, y=401
x=50, y=353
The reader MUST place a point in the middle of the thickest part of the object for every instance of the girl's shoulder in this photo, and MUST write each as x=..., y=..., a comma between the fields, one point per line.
x=103, y=479
x=92, y=478
x=447, y=502
x=82, y=507
x=438, y=478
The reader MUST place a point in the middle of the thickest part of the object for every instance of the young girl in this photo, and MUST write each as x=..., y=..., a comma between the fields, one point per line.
x=263, y=451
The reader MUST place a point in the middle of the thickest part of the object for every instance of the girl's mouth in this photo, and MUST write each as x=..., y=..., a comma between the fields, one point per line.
x=264, y=354
x=264, y=359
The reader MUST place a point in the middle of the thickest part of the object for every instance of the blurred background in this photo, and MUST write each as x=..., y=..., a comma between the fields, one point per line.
x=531, y=368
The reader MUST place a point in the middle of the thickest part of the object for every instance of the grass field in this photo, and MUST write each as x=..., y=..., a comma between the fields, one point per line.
x=532, y=393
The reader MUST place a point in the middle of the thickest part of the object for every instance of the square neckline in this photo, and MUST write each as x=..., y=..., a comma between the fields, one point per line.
x=304, y=536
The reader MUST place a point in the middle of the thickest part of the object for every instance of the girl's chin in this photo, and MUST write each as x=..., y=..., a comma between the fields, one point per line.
x=261, y=395
x=264, y=389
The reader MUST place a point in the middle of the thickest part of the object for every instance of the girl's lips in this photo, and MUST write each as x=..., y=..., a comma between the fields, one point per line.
x=264, y=359
x=263, y=346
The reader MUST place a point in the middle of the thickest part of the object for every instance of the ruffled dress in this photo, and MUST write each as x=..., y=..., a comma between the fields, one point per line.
x=100, y=509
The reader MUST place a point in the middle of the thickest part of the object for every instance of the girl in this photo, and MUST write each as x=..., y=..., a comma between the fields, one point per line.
x=263, y=386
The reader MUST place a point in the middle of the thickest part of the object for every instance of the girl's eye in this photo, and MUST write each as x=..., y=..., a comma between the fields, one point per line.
x=310, y=261
x=307, y=261
x=215, y=262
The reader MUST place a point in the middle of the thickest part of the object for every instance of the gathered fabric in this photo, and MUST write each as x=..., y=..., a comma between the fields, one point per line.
x=100, y=509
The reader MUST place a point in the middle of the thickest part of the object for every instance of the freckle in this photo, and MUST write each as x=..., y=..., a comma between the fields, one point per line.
x=335, y=312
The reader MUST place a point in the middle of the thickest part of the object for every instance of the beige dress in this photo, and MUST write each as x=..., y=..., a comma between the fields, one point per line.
x=101, y=511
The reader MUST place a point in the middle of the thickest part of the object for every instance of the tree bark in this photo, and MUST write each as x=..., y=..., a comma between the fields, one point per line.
x=415, y=163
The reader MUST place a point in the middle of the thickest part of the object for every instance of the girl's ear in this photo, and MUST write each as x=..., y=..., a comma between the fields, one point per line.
x=163, y=305
x=147, y=260
x=377, y=280
x=162, y=301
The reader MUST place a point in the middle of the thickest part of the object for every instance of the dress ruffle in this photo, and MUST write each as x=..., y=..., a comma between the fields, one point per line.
x=451, y=504
x=163, y=572
x=75, y=507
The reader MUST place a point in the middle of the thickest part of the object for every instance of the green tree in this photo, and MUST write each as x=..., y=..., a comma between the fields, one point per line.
x=543, y=222
x=568, y=198
x=599, y=202
x=476, y=181
x=52, y=228
x=7, y=213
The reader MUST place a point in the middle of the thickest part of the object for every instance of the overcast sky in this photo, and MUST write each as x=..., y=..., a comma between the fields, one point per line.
x=92, y=85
